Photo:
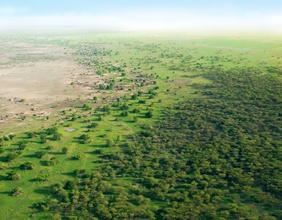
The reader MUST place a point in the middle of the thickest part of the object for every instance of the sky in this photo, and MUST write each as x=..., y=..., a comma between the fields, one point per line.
x=142, y=14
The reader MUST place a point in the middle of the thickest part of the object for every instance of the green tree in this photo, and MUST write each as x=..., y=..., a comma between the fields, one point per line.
x=86, y=106
x=65, y=150
x=12, y=156
x=56, y=136
x=22, y=145
x=149, y=114
x=85, y=138
x=27, y=166
x=16, y=192
x=40, y=154
x=43, y=138
x=12, y=175
x=124, y=114
x=51, y=131
x=110, y=143
x=93, y=125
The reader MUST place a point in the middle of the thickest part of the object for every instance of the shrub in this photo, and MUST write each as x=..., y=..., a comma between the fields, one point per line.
x=12, y=156
x=12, y=175
x=64, y=150
x=40, y=154
x=85, y=138
x=136, y=110
x=77, y=157
x=93, y=125
x=43, y=177
x=16, y=192
x=27, y=166
x=142, y=101
x=22, y=145
x=52, y=162
x=110, y=143
x=124, y=114
x=86, y=106
x=149, y=114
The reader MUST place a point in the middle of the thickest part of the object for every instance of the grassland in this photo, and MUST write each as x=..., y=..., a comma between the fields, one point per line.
x=147, y=110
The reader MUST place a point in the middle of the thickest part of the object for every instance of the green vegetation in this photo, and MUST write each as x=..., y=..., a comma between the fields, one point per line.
x=180, y=127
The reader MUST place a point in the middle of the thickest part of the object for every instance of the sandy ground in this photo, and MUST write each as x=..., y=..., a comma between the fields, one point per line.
x=35, y=77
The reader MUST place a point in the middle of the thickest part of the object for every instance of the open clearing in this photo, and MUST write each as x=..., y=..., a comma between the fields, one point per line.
x=35, y=77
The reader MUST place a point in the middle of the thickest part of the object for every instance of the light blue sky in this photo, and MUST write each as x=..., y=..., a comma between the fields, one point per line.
x=143, y=14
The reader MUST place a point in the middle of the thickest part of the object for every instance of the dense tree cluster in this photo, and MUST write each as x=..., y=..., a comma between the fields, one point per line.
x=216, y=157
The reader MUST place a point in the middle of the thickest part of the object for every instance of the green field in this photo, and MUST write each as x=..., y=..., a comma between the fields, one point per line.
x=175, y=126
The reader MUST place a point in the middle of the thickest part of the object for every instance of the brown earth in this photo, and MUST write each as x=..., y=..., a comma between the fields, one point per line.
x=36, y=77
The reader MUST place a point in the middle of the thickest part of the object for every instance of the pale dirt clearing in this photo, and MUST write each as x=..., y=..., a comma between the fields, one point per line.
x=33, y=78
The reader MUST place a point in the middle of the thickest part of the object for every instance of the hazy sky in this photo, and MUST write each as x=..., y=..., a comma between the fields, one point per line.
x=142, y=14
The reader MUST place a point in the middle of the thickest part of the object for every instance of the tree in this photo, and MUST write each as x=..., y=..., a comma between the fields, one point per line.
x=64, y=150
x=69, y=184
x=12, y=175
x=149, y=114
x=56, y=136
x=93, y=125
x=142, y=101
x=30, y=134
x=12, y=156
x=85, y=138
x=51, y=130
x=27, y=166
x=22, y=145
x=16, y=192
x=43, y=138
x=124, y=114
x=2, y=166
x=77, y=157
x=12, y=136
x=40, y=154
x=42, y=177
x=110, y=143
x=134, y=97
x=86, y=106
x=52, y=162
x=101, y=86
x=124, y=106
x=136, y=110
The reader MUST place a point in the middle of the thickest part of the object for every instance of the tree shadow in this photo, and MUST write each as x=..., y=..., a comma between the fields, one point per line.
x=3, y=178
x=14, y=168
x=76, y=140
x=70, y=159
x=55, y=153
x=5, y=193
x=3, y=159
x=99, y=146
x=43, y=191
x=95, y=152
x=31, y=156
x=129, y=121
x=44, y=163
x=70, y=174
x=25, y=138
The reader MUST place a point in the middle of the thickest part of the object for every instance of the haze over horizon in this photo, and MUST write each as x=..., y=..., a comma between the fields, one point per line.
x=142, y=14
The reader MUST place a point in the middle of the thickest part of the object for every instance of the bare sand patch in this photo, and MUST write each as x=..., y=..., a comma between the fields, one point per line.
x=70, y=130
x=35, y=77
